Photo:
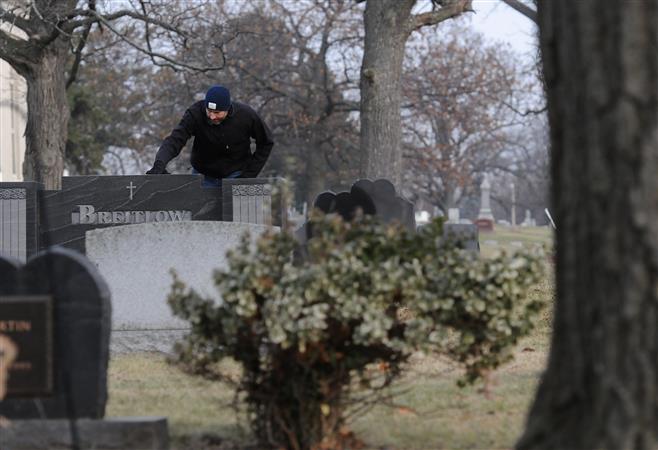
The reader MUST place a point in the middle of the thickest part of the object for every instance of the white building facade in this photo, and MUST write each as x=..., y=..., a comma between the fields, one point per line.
x=13, y=117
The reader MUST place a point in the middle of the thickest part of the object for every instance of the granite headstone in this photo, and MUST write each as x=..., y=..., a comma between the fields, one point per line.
x=253, y=200
x=377, y=198
x=81, y=333
x=89, y=202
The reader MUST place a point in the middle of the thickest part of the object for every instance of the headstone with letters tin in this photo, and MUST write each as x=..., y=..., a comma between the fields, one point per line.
x=55, y=320
x=78, y=347
x=26, y=321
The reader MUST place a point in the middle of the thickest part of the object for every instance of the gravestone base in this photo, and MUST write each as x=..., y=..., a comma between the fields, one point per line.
x=126, y=433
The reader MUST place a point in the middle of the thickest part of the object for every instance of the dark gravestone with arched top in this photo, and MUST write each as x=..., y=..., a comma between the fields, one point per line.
x=376, y=198
x=79, y=334
x=76, y=338
x=380, y=199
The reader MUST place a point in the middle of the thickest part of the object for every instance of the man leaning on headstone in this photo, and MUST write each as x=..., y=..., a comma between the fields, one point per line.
x=222, y=133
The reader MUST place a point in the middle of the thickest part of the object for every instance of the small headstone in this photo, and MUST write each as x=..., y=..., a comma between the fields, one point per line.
x=373, y=198
x=422, y=217
x=485, y=202
x=376, y=198
x=516, y=244
x=485, y=225
x=466, y=235
x=528, y=221
x=253, y=200
x=453, y=215
x=389, y=206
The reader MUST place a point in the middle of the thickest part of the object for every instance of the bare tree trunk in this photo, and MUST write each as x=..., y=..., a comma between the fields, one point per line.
x=47, y=119
x=315, y=174
x=386, y=30
x=600, y=389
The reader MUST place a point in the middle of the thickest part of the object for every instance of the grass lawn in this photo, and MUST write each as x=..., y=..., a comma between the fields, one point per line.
x=526, y=235
x=432, y=413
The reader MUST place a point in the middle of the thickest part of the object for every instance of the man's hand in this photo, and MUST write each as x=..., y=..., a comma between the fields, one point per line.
x=158, y=168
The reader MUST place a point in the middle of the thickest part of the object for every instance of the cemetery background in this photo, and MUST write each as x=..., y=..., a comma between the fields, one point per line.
x=113, y=77
x=579, y=261
x=314, y=171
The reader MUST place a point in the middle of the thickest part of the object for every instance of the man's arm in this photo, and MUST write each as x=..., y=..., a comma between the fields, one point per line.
x=174, y=143
x=264, y=143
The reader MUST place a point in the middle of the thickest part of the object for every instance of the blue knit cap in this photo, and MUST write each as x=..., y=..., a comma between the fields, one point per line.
x=218, y=98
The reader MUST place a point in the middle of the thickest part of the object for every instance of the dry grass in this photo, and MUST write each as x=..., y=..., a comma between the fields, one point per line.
x=432, y=413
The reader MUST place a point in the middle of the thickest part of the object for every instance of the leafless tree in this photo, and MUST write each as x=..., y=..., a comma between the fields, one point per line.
x=388, y=25
x=37, y=38
x=461, y=101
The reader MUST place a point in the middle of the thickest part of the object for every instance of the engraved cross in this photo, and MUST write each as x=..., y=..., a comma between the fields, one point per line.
x=131, y=186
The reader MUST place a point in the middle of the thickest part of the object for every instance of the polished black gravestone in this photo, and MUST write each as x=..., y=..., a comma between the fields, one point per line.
x=71, y=415
x=380, y=199
x=377, y=198
x=89, y=202
x=80, y=334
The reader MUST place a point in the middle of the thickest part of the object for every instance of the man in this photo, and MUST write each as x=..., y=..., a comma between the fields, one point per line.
x=222, y=133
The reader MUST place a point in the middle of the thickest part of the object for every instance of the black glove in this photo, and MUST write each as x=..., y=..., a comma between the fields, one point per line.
x=158, y=168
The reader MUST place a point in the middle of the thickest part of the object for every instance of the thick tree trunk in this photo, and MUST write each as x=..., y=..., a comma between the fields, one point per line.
x=47, y=118
x=386, y=31
x=600, y=389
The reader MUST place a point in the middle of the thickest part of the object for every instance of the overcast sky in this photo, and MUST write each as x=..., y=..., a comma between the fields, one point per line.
x=498, y=21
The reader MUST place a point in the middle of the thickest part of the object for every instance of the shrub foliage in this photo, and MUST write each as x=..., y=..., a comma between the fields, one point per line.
x=318, y=335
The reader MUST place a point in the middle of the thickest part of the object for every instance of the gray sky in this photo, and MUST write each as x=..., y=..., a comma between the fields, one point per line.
x=498, y=21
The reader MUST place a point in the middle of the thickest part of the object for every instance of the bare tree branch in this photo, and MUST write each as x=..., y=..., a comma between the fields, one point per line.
x=18, y=53
x=169, y=62
x=524, y=9
x=448, y=10
x=78, y=51
x=12, y=19
x=94, y=16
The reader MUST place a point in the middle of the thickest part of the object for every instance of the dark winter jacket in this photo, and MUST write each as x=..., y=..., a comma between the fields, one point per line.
x=222, y=149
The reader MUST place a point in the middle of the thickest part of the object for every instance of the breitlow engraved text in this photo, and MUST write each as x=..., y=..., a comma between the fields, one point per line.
x=88, y=215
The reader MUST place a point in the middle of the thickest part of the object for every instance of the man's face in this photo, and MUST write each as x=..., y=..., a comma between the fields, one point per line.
x=216, y=116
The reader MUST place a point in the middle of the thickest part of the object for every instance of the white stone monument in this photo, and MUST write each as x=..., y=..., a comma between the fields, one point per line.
x=528, y=221
x=453, y=215
x=485, y=200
